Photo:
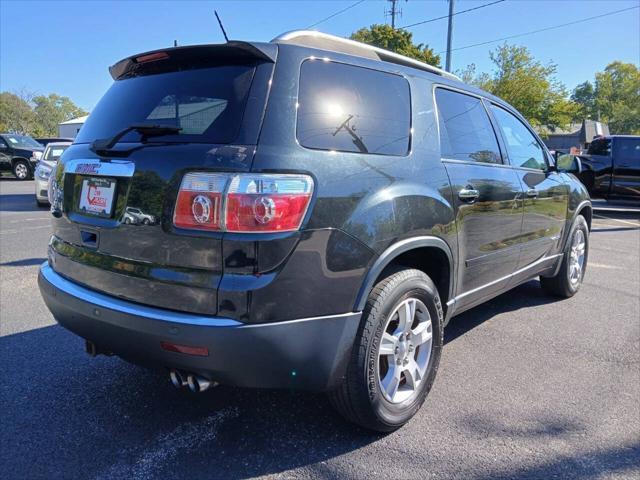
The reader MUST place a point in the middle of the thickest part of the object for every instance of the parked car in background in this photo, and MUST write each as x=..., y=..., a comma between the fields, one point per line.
x=313, y=232
x=52, y=153
x=19, y=155
x=136, y=216
x=46, y=141
x=611, y=167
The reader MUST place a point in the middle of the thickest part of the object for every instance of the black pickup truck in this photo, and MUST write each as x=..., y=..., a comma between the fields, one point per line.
x=611, y=167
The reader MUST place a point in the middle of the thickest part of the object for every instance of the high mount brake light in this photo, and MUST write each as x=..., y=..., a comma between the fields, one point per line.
x=152, y=57
x=242, y=202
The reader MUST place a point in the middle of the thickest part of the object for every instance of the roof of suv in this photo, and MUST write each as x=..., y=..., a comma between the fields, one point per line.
x=324, y=41
x=244, y=50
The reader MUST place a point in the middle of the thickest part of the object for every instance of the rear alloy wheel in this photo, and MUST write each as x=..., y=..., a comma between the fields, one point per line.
x=405, y=350
x=574, y=262
x=21, y=170
x=396, y=353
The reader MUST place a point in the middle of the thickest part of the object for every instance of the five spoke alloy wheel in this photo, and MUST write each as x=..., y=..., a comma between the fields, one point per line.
x=405, y=349
x=396, y=352
x=576, y=257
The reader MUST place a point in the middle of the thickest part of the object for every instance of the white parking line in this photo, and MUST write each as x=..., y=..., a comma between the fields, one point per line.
x=602, y=265
x=37, y=219
x=635, y=224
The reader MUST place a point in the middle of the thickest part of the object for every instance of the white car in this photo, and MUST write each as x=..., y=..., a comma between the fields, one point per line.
x=135, y=216
x=47, y=163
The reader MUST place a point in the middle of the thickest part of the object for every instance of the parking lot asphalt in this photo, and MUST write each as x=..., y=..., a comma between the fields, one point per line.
x=529, y=387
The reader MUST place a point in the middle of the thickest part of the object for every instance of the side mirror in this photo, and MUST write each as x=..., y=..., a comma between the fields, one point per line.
x=570, y=164
x=3, y=146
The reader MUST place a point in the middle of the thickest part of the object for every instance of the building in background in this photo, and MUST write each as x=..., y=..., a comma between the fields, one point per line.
x=577, y=135
x=70, y=128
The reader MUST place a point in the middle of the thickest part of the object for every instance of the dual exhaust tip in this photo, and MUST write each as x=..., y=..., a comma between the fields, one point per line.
x=196, y=383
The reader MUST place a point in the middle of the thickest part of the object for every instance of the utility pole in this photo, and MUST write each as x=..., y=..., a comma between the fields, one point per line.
x=449, y=37
x=395, y=11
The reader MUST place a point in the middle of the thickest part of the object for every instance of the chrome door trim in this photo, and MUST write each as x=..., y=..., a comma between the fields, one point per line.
x=507, y=277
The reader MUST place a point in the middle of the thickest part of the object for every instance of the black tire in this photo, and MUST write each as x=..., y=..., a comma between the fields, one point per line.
x=560, y=285
x=359, y=398
x=21, y=170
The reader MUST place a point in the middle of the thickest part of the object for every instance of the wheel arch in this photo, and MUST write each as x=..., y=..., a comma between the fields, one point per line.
x=586, y=210
x=430, y=254
x=14, y=160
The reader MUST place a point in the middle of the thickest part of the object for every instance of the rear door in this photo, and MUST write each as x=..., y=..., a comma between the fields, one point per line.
x=487, y=196
x=545, y=193
x=626, y=166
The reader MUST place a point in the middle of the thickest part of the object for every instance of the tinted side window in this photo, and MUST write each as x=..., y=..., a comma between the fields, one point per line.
x=628, y=150
x=353, y=109
x=600, y=146
x=523, y=148
x=465, y=130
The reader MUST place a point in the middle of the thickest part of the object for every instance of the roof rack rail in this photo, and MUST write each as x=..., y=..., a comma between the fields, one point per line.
x=315, y=39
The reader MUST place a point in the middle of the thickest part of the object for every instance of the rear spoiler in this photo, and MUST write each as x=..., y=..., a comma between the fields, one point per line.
x=157, y=61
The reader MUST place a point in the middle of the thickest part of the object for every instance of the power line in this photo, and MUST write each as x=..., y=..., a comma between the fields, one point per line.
x=543, y=29
x=456, y=13
x=336, y=13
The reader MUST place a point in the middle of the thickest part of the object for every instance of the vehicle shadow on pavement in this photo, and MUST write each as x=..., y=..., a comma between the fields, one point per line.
x=65, y=414
x=528, y=294
x=20, y=202
x=25, y=262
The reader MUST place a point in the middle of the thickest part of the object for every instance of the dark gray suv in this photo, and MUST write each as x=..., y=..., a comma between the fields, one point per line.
x=322, y=209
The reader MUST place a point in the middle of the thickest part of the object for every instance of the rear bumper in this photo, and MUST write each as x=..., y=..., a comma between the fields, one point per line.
x=308, y=354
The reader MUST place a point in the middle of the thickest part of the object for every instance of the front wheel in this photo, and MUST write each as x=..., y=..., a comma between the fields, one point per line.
x=574, y=263
x=396, y=353
x=21, y=170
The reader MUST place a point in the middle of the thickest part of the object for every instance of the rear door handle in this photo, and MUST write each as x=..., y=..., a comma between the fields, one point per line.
x=532, y=193
x=468, y=194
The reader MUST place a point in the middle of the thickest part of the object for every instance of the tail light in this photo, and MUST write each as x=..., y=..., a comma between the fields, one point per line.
x=243, y=202
x=199, y=203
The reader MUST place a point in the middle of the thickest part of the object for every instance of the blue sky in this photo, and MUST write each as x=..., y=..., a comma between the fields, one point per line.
x=66, y=47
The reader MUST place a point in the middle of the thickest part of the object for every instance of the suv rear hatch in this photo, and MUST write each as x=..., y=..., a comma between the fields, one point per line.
x=114, y=207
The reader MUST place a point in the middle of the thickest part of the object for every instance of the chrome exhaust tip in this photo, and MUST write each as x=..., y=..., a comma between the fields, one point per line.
x=199, y=384
x=177, y=378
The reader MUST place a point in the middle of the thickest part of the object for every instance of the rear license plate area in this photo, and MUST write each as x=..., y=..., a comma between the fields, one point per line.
x=97, y=196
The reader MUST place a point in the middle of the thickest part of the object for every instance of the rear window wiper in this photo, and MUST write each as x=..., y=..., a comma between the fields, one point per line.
x=104, y=146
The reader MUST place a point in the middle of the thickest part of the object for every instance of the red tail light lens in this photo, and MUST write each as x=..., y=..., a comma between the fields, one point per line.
x=243, y=203
x=267, y=203
x=199, y=203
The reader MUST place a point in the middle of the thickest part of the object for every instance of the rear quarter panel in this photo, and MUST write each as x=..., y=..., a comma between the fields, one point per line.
x=377, y=200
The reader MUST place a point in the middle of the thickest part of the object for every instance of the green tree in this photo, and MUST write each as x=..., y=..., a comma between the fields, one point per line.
x=584, y=95
x=617, y=97
x=51, y=110
x=397, y=40
x=528, y=85
x=15, y=114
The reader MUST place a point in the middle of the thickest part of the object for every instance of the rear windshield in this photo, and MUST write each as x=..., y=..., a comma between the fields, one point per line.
x=207, y=104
